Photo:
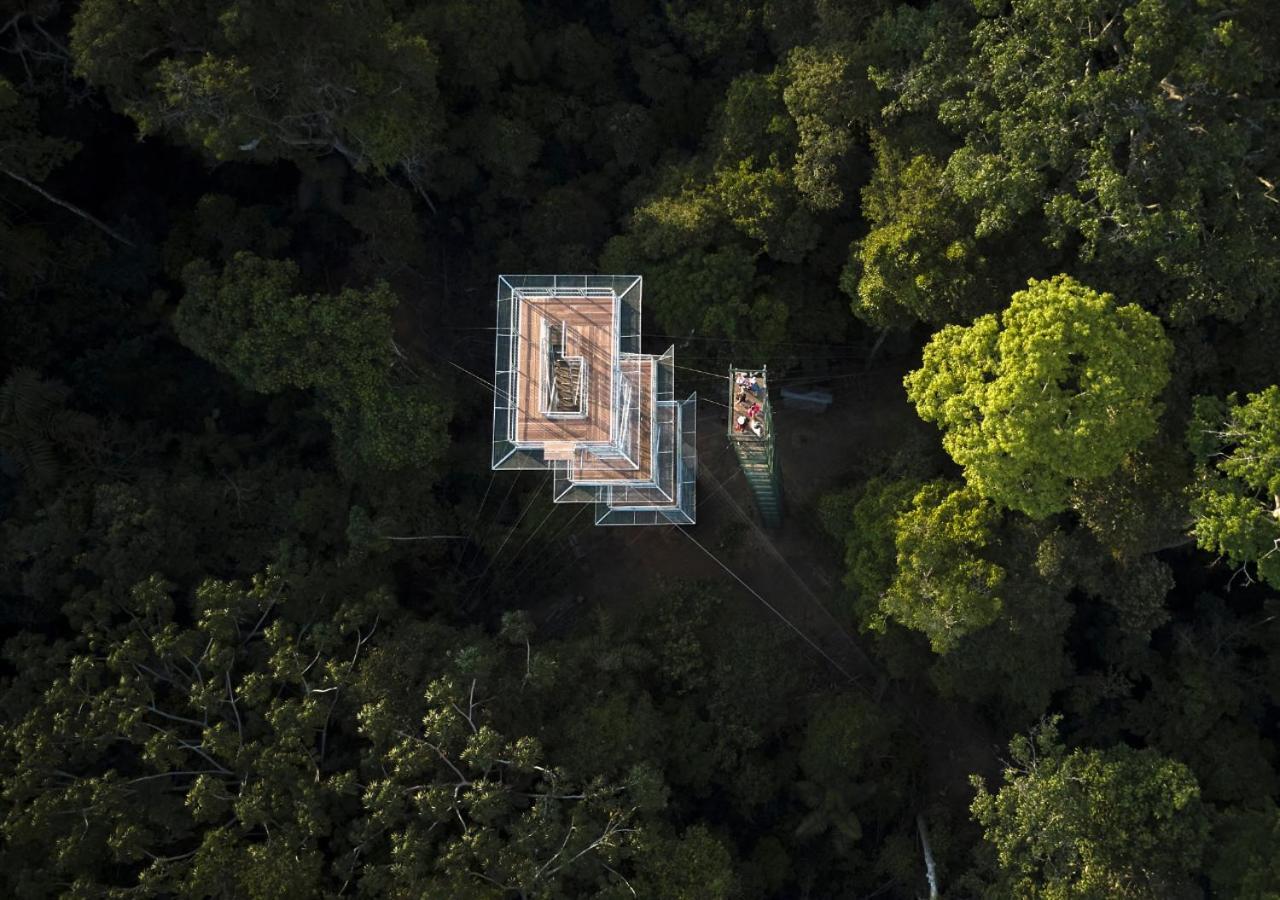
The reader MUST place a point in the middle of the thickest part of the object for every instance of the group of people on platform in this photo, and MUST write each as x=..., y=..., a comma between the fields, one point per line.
x=747, y=408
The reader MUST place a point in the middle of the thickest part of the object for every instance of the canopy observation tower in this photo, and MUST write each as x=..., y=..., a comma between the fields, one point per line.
x=751, y=435
x=574, y=394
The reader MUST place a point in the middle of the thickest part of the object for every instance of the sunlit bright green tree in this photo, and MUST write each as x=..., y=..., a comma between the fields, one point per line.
x=1093, y=824
x=1236, y=497
x=1061, y=386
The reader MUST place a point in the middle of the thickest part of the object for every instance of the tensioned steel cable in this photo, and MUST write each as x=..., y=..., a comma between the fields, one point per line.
x=839, y=668
x=510, y=531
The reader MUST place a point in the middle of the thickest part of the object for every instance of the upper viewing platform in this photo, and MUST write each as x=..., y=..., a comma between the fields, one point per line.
x=573, y=393
x=564, y=356
x=751, y=437
x=749, y=414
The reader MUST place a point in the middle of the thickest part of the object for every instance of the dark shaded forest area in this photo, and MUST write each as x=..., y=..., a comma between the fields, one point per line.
x=260, y=635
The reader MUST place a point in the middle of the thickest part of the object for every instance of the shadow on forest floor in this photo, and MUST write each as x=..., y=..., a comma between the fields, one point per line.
x=796, y=568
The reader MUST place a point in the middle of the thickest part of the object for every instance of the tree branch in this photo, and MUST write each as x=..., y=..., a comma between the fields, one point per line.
x=97, y=223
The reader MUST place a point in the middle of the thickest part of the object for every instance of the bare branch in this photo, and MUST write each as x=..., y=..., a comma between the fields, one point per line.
x=231, y=694
x=97, y=223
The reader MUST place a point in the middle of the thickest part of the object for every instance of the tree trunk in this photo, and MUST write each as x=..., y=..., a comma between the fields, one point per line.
x=930, y=869
x=875, y=348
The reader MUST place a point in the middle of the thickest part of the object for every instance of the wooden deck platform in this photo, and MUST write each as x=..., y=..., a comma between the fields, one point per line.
x=589, y=332
x=593, y=467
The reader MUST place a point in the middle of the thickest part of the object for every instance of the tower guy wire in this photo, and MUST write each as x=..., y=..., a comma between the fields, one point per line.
x=777, y=554
x=519, y=550
x=479, y=539
x=480, y=509
x=773, y=609
x=510, y=531
x=533, y=566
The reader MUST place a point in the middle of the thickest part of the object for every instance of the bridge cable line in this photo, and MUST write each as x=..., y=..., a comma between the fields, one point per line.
x=700, y=371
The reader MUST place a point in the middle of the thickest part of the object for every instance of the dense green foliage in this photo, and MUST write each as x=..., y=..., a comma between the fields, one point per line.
x=1093, y=823
x=943, y=586
x=270, y=630
x=1059, y=389
x=917, y=550
x=1237, y=498
x=248, y=320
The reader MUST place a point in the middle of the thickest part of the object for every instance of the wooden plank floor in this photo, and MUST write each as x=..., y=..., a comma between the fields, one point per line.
x=656, y=497
x=589, y=328
x=590, y=334
x=591, y=467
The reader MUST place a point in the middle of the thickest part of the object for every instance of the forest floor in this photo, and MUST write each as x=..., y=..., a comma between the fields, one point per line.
x=795, y=568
